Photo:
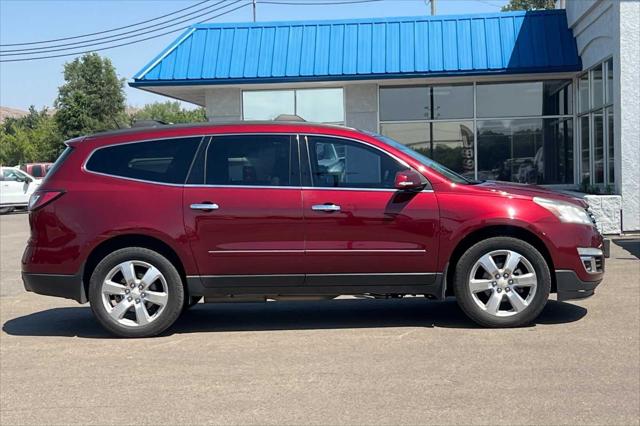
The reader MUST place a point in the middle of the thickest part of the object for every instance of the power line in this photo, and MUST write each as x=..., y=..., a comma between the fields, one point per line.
x=316, y=3
x=83, y=44
x=105, y=31
x=128, y=43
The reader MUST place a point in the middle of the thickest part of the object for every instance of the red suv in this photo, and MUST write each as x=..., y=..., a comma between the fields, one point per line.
x=143, y=223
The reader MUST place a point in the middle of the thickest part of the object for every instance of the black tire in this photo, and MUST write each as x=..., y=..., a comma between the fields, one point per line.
x=6, y=210
x=175, y=292
x=464, y=269
x=190, y=302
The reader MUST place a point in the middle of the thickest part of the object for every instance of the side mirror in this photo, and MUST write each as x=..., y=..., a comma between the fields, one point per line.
x=409, y=180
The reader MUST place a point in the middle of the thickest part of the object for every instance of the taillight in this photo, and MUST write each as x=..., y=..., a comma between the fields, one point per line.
x=41, y=198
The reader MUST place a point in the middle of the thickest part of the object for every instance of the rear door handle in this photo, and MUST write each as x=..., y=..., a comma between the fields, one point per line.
x=325, y=208
x=205, y=206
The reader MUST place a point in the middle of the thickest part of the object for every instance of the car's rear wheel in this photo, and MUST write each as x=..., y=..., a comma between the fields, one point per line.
x=502, y=282
x=136, y=292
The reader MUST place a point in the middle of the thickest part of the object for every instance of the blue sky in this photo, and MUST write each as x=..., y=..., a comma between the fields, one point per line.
x=36, y=82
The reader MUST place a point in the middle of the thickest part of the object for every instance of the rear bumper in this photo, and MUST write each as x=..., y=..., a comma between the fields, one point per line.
x=571, y=287
x=66, y=286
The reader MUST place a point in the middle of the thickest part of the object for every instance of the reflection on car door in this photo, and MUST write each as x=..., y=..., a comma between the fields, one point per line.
x=359, y=229
x=243, y=212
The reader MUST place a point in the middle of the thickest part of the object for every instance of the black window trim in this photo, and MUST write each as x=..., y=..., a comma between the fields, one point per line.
x=294, y=145
x=300, y=139
x=308, y=167
x=86, y=161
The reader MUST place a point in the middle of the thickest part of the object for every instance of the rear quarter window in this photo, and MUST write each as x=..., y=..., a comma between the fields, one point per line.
x=163, y=161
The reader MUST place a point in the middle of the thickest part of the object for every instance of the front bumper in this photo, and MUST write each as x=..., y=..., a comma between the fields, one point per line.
x=571, y=287
x=67, y=286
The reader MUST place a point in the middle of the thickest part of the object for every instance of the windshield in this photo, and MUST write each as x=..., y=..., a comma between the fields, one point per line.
x=428, y=162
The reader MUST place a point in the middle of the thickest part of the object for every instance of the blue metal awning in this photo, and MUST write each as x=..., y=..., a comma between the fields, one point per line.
x=512, y=42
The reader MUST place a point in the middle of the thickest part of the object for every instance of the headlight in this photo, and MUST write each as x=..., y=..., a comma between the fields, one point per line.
x=566, y=212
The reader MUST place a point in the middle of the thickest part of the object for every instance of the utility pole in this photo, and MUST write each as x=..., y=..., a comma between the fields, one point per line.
x=254, y=10
x=433, y=7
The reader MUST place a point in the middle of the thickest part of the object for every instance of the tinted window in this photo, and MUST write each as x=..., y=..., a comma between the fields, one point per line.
x=448, y=142
x=551, y=97
x=251, y=160
x=533, y=150
x=597, y=88
x=165, y=161
x=336, y=163
x=415, y=103
x=404, y=103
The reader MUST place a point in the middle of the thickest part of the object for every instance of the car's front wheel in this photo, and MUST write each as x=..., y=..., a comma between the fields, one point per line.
x=502, y=282
x=136, y=292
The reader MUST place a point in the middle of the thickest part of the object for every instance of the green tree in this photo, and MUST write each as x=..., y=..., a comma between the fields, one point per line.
x=529, y=5
x=91, y=99
x=32, y=138
x=169, y=112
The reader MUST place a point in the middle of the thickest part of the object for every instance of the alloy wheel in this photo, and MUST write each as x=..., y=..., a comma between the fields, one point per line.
x=503, y=283
x=134, y=293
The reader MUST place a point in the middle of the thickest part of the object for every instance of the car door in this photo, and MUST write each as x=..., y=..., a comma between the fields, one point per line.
x=360, y=231
x=14, y=187
x=243, y=212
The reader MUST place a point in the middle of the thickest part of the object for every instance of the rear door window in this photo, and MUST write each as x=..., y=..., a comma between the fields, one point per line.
x=252, y=160
x=163, y=161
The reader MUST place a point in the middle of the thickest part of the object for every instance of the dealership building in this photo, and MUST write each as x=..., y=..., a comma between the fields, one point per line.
x=544, y=97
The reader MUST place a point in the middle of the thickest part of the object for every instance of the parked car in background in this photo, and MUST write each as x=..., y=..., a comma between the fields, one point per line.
x=37, y=170
x=16, y=187
x=143, y=223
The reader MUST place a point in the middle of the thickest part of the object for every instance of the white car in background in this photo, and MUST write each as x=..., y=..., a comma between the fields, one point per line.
x=16, y=187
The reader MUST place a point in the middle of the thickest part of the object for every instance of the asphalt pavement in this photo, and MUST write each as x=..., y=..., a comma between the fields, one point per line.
x=349, y=361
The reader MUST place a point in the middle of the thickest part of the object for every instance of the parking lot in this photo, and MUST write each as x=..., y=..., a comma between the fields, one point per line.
x=346, y=361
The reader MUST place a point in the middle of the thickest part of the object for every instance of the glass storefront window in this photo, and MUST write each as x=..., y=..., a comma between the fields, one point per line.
x=524, y=130
x=452, y=101
x=510, y=150
x=267, y=104
x=610, y=145
x=609, y=91
x=415, y=103
x=583, y=93
x=534, y=151
x=597, y=87
x=533, y=98
x=315, y=105
x=585, y=177
x=557, y=150
x=598, y=147
x=415, y=135
x=452, y=146
x=405, y=103
x=448, y=142
x=320, y=105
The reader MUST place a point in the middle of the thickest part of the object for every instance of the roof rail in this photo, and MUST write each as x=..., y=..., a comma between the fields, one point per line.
x=289, y=117
x=148, y=123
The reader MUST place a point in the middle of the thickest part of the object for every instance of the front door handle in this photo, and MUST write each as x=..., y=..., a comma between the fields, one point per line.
x=325, y=208
x=205, y=206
